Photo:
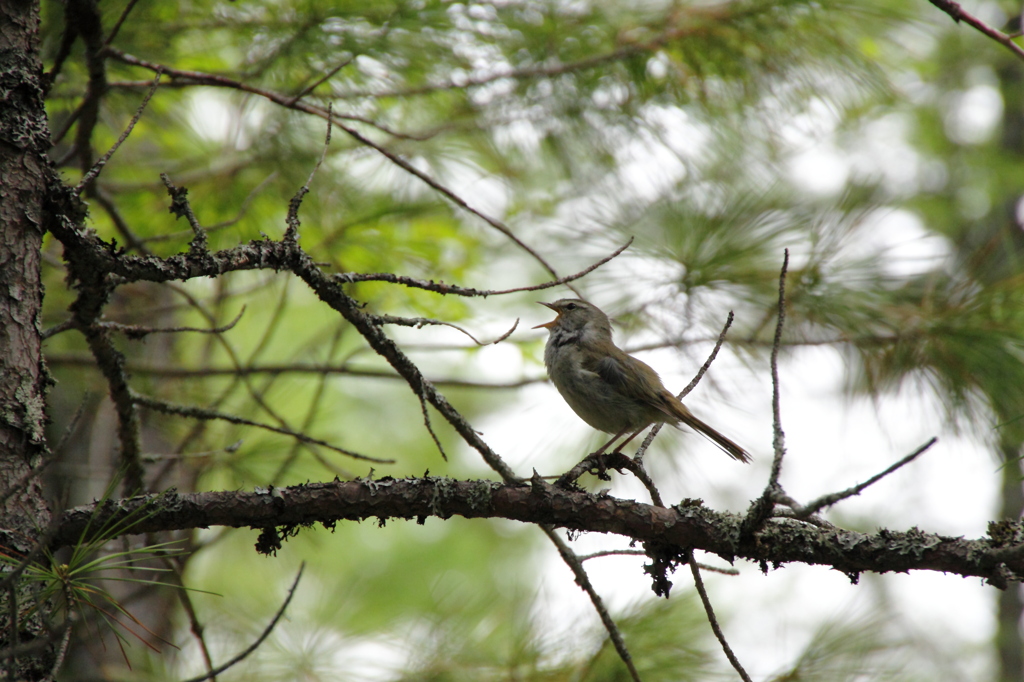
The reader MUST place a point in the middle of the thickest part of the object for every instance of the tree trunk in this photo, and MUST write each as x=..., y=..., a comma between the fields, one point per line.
x=26, y=641
x=1011, y=606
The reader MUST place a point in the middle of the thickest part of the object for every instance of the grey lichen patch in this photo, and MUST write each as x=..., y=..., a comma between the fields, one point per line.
x=914, y=542
x=444, y=489
x=1006, y=532
x=480, y=495
x=33, y=417
x=375, y=485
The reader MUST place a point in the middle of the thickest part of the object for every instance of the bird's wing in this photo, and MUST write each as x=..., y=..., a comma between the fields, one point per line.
x=628, y=376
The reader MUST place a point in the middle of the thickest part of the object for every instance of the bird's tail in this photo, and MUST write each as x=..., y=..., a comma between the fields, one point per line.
x=730, y=448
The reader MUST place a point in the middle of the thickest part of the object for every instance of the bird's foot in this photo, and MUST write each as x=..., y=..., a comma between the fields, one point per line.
x=599, y=464
x=596, y=463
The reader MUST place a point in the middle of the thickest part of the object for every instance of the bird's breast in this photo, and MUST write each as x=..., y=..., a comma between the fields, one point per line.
x=593, y=399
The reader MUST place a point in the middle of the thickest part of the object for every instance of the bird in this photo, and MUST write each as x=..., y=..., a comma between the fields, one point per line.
x=607, y=388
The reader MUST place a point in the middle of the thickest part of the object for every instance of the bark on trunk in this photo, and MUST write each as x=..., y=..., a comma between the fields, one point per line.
x=1010, y=606
x=26, y=639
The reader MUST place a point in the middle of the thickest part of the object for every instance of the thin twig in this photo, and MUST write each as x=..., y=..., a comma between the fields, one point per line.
x=761, y=509
x=98, y=166
x=68, y=431
x=120, y=21
x=715, y=627
x=136, y=331
x=242, y=210
x=65, y=128
x=120, y=224
x=312, y=409
x=110, y=362
x=222, y=81
x=181, y=208
x=291, y=234
x=430, y=428
x=583, y=580
x=444, y=191
x=954, y=10
x=62, y=652
x=193, y=619
x=711, y=358
x=639, y=456
x=207, y=414
x=611, y=552
x=67, y=40
x=426, y=321
x=443, y=288
x=320, y=81
x=779, y=437
x=830, y=499
x=259, y=640
x=637, y=468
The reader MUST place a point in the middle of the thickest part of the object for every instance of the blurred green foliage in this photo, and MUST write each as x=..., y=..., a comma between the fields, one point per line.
x=577, y=124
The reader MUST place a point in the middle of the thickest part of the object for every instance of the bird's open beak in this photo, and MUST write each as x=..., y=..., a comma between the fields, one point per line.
x=548, y=325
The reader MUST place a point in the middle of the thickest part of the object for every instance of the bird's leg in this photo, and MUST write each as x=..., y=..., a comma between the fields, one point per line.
x=600, y=451
x=623, y=444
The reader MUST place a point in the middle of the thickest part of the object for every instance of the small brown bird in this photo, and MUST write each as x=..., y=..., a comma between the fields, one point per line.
x=608, y=389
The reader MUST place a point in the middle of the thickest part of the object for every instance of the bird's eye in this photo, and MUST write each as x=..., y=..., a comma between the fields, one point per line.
x=571, y=306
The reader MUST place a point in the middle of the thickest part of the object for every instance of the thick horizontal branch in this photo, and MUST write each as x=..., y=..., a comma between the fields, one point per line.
x=779, y=542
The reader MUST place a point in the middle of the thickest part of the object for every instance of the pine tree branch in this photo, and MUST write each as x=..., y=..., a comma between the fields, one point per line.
x=779, y=542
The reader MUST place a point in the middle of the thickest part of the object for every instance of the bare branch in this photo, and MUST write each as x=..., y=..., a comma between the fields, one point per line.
x=779, y=437
x=715, y=627
x=426, y=321
x=442, y=288
x=90, y=254
x=611, y=552
x=120, y=21
x=430, y=428
x=62, y=651
x=781, y=541
x=181, y=207
x=175, y=565
x=98, y=166
x=320, y=81
x=291, y=234
x=761, y=508
x=263, y=635
x=111, y=363
x=639, y=552
x=583, y=580
x=135, y=331
x=207, y=414
x=828, y=500
x=221, y=81
x=120, y=224
x=958, y=14
x=242, y=210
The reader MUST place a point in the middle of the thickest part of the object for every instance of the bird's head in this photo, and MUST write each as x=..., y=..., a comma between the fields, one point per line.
x=574, y=315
